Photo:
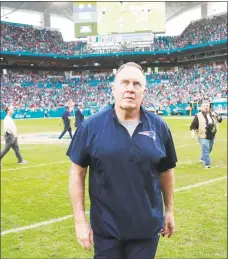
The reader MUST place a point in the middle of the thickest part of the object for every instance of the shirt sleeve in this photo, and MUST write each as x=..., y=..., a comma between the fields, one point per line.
x=195, y=123
x=78, y=149
x=170, y=160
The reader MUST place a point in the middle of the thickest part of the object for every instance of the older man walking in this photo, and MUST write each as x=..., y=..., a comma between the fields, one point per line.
x=130, y=153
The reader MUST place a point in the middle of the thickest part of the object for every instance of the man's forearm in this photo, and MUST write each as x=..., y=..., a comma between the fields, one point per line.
x=167, y=185
x=77, y=191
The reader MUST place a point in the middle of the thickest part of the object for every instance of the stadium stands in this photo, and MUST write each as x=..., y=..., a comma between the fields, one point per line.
x=165, y=89
x=25, y=38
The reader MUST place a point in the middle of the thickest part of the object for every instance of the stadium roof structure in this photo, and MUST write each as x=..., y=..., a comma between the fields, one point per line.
x=65, y=9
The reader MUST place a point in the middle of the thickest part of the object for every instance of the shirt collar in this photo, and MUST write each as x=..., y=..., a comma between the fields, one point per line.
x=143, y=117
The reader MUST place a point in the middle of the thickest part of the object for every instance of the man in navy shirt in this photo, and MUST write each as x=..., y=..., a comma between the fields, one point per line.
x=79, y=118
x=66, y=121
x=130, y=154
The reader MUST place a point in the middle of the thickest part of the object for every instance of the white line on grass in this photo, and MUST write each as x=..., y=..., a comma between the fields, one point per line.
x=32, y=166
x=60, y=162
x=200, y=184
x=65, y=161
x=194, y=144
x=15, y=230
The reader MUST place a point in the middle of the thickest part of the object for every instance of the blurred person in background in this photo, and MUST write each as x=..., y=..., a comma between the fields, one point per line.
x=10, y=136
x=205, y=125
x=79, y=117
x=66, y=118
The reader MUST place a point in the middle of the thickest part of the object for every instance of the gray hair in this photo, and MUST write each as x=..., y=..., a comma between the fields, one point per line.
x=129, y=64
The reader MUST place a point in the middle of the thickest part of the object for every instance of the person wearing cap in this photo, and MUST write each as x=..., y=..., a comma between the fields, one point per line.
x=205, y=125
x=79, y=118
x=66, y=121
x=131, y=156
x=10, y=136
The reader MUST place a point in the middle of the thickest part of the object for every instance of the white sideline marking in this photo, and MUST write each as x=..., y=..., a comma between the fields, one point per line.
x=15, y=230
x=26, y=148
x=61, y=162
x=199, y=184
x=65, y=161
x=26, y=167
x=194, y=144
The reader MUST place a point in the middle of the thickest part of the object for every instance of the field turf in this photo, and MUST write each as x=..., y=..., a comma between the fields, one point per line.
x=38, y=192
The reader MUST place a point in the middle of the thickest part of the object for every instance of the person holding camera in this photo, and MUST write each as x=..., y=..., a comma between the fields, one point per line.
x=205, y=124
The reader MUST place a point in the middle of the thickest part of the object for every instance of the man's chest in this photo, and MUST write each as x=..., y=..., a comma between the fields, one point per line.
x=117, y=146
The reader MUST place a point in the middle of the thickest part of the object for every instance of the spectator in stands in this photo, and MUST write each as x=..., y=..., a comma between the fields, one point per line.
x=14, y=38
x=34, y=91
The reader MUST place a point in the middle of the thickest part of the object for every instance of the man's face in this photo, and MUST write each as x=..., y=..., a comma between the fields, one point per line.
x=128, y=88
x=205, y=107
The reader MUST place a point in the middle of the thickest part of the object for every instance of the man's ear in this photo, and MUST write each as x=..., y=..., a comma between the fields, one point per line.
x=145, y=90
x=113, y=87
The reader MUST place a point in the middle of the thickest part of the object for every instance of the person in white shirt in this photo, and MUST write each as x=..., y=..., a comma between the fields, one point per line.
x=10, y=135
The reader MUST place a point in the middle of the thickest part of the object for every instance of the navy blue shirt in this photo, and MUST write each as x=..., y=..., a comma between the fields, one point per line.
x=79, y=118
x=65, y=116
x=124, y=186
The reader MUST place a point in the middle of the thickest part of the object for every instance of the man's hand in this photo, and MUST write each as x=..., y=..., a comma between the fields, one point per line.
x=193, y=134
x=169, y=228
x=84, y=234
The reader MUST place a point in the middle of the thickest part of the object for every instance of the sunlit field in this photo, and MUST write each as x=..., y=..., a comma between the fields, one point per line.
x=38, y=193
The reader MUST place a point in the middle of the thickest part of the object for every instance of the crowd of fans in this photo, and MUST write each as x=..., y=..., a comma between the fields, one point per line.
x=189, y=85
x=29, y=39
x=38, y=94
x=164, y=88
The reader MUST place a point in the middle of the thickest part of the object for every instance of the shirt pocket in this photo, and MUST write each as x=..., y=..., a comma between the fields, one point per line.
x=149, y=151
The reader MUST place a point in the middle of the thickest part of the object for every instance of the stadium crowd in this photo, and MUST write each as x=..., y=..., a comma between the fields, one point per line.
x=29, y=39
x=94, y=90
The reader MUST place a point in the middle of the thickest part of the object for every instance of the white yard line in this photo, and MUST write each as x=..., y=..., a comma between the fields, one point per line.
x=15, y=230
x=194, y=144
x=65, y=161
x=27, y=148
x=200, y=184
x=32, y=166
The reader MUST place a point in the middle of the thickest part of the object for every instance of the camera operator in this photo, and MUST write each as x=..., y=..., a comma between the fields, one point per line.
x=205, y=124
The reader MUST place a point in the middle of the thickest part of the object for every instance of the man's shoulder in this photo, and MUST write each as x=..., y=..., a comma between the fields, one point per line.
x=155, y=119
x=98, y=118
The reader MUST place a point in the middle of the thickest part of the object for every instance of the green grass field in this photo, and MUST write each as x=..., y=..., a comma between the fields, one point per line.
x=38, y=192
